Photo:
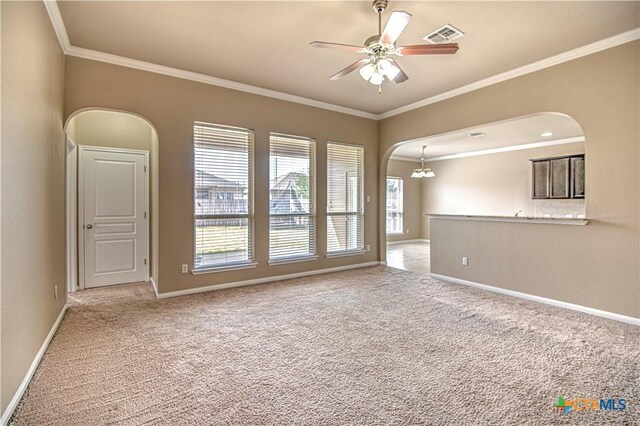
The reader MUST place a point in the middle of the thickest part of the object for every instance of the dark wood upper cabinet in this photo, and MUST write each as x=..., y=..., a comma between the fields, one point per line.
x=540, y=174
x=558, y=177
x=577, y=180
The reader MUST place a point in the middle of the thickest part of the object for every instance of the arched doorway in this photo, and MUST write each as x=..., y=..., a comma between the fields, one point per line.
x=484, y=170
x=112, y=133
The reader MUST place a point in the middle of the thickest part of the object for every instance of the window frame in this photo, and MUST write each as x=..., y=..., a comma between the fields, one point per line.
x=361, y=204
x=250, y=215
x=313, y=255
x=401, y=203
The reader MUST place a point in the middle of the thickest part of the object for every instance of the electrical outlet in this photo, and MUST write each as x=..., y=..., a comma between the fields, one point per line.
x=465, y=261
x=185, y=268
x=368, y=198
x=368, y=247
x=407, y=230
x=55, y=292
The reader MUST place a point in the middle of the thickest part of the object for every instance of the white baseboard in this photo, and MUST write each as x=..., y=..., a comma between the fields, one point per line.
x=32, y=369
x=154, y=286
x=418, y=240
x=263, y=280
x=540, y=299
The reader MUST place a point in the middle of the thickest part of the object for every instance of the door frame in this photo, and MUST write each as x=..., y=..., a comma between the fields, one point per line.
x=72, y=214
x=81, y=243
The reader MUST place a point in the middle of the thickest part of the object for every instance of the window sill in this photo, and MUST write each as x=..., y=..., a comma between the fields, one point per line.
x=211, y=270
x=345, y=253
x=394, y=234
x=292, y=260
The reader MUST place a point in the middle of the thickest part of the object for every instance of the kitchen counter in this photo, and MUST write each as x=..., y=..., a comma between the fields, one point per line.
x=518, y=219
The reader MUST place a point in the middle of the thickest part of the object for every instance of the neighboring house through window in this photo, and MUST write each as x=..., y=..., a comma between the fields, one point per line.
x=292, y=210
x=223, y=185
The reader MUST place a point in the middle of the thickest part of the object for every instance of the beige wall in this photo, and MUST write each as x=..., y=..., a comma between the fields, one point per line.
x=496, y=184
x=111, y=129
x=172, y=105
x=596, y=265
x=33, y=185
x=412, y=214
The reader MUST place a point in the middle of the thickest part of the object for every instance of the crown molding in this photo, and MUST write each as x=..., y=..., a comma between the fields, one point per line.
x=510, y=148
x=68, y=49
x=109, y=58
x=58, y=24
x=569, y=55
x=80, y=52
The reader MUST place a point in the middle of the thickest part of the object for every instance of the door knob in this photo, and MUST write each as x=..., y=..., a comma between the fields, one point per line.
x=89, y=226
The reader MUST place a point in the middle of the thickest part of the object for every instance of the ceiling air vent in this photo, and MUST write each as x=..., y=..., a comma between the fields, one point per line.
x=446, y=34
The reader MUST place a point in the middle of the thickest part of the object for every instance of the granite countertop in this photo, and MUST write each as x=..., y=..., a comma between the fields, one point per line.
x=519, y=219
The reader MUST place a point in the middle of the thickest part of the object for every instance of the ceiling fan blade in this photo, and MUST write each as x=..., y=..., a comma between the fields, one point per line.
x=401, y=77
x=429, y=49
x=396, y=24
x=351, y=68
x=326, y=45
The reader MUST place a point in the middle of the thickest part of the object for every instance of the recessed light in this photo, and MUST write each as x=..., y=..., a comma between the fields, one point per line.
x=477, y=134
x=546, y=134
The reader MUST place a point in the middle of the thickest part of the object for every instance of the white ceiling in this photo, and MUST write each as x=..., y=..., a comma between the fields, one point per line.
x=266, y=43
x=513, y=133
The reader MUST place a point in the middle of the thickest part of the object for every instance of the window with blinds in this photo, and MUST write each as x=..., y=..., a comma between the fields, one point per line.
x=223, y=195
x=345, y=189
x=292, y=210
x=394, y=205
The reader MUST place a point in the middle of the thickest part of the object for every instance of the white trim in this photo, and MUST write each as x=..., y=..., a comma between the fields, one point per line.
x=32, y=369
x=263, y=280
x=68, y=49
x=513, y=219
x=109, y=58
x=501, y=149
x=540, y=299
x=569, y=55
x=154, y=286
x=345, y=253
x=294, y=259
x=417, y=240
x=214, y=269
x=80, y=201
x=80, y=52
x=58, y=24
x=71, y=214
x=402, y=158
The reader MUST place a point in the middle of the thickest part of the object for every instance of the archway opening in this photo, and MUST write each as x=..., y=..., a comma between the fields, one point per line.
x=118, y=133
x=485, y=171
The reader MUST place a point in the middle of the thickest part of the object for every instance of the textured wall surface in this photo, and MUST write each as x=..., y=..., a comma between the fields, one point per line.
x=33, y=187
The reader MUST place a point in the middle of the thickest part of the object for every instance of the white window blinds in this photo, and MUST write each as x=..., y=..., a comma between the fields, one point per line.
x=292, y=210
x=345, y=189
x=223, y=195
x=394, y=205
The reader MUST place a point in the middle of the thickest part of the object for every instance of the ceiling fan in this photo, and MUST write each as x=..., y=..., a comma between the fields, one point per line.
x=381, y=48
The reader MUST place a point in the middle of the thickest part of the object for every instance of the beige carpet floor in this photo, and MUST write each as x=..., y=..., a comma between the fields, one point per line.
x=367, y=347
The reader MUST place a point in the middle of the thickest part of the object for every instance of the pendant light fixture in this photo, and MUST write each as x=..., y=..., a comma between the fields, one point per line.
x=422, y=172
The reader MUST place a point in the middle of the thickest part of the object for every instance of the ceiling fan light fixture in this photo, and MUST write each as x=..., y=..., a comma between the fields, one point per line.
x=387, y=68
x=367, y=71
x=376, y=78
x=429, y=173
x=416, y=173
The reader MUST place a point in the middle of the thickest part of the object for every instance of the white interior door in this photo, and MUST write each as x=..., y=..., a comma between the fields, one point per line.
x=113, y=188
